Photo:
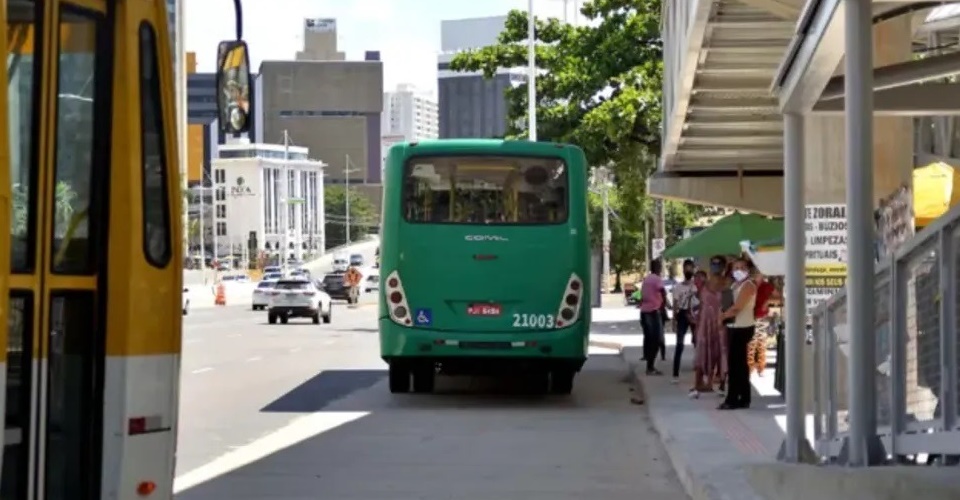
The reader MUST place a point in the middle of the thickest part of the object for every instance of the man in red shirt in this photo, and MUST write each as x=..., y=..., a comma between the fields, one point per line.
x=652, y=299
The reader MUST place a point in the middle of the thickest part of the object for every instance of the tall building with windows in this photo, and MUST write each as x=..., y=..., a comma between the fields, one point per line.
x=471, y=105
x=330, y=106
x=409, y=113
x=268, y=198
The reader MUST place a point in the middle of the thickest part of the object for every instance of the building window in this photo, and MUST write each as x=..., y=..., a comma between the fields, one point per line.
x=221, y=194
x=219, y=176
x=221, y=229
x=221, y=211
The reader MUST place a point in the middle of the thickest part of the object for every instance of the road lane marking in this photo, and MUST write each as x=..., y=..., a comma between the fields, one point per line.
x=202, y=370
x=296, y=349
x=234, y=335
x=255, y=358
x=329, y=342
x=298, y=430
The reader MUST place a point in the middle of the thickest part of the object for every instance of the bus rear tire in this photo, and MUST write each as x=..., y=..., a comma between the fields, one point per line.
x=272, y=319
x=399, y=379
x=424, y=379
x=561, y=382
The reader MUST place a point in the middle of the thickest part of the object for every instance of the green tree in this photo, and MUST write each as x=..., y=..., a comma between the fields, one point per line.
x=363, y=216
x=599, y=88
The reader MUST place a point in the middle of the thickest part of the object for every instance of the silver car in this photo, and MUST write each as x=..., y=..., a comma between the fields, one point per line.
x=261, y=294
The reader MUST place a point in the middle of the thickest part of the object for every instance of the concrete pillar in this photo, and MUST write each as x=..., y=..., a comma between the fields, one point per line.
x=825, y=176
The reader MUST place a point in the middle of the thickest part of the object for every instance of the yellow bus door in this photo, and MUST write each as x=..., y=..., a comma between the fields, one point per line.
x=60, y=68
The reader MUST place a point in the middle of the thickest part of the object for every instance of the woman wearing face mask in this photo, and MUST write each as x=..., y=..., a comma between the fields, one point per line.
x=709, y=352
x=739, y=333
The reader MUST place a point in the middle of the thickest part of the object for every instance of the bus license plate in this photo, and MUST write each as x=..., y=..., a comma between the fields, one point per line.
x=484, y=310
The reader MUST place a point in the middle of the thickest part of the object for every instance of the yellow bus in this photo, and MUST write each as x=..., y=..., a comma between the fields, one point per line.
x=91, y=192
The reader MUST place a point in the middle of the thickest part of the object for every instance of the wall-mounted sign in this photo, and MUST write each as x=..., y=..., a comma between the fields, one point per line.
x=240, y=188
x=320, y=24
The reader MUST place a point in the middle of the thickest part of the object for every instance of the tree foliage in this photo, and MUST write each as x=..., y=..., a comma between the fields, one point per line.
x=363, y=215
x=599, y=87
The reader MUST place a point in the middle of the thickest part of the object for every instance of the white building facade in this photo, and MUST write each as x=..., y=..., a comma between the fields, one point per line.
x=409, y=113
x=267, y=198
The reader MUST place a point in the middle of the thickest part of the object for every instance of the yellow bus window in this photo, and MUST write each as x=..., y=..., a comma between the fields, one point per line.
x=22, y=79
x=156, y=215
x=17, y=410
x=81, y=149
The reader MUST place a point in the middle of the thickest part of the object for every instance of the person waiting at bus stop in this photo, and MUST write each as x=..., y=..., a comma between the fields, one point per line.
x=352, y=280
x=652, y=301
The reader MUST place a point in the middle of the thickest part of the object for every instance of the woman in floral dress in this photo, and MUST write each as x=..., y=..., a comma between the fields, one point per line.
x=709, y=349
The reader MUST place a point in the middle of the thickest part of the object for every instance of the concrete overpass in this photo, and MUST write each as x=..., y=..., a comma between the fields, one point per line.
x=733, y=66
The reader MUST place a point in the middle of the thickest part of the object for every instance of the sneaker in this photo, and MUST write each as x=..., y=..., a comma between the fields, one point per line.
x=675, y=380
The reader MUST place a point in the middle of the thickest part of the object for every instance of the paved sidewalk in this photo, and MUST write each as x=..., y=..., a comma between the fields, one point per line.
x=711, y=451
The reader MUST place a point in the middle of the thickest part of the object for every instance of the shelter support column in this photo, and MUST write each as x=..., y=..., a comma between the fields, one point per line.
x=796, y=448
x=826, y=178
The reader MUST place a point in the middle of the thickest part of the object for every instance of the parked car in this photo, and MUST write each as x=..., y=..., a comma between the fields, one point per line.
x=298, y=298
x=333, y=285
x=340, y=263
x=371, y=282
x=356, y=260
x=274, y=276
x=261, y=294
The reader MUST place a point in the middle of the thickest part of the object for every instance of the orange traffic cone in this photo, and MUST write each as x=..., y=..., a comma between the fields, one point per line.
x=221, y=297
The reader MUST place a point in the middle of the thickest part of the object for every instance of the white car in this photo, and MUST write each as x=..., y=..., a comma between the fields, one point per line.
x=186, y=301
x=261, y=294
x=298, y=298
x=371, y=282
x=340, y=263
x=273, y=276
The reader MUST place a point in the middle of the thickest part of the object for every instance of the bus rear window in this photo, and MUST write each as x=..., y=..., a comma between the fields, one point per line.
x=485, y=190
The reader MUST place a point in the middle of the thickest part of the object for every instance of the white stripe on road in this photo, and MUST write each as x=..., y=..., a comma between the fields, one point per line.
x=296, y=431
x=202, y=370
x=255, y=358
x=296, y=349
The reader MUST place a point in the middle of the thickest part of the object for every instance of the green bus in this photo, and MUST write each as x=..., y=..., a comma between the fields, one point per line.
x=484, y=262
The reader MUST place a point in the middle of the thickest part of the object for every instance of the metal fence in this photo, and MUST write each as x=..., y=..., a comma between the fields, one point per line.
x=915, y=376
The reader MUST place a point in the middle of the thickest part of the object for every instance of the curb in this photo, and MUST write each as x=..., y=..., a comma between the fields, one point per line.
x=695, y=489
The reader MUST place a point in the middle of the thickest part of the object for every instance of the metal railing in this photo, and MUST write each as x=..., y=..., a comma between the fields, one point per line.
x=915, y=377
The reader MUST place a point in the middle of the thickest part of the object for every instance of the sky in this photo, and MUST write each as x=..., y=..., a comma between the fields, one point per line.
x=406, y=32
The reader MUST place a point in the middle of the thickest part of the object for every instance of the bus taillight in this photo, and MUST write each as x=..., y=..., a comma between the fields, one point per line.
x=569, y=310
x=399, y=310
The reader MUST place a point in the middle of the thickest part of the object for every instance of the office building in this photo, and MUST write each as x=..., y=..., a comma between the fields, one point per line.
x=471, y=105
x=410, y=114
x=332, y=107
x=269, y=195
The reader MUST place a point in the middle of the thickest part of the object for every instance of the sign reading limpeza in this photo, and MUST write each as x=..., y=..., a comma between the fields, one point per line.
x=240, y=188
x=826, y=262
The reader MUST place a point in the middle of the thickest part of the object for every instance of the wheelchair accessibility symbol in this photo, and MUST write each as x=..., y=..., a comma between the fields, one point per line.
x=423, y=317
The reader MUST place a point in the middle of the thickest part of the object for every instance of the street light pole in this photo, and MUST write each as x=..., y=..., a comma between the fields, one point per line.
x=346, y=195
x=531, y=72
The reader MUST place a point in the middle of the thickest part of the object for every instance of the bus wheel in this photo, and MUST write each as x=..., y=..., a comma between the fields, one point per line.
x=272, y=319
x=424, y=379
x=284, y=319
x=538, y=383
x=399, y=379
x=561, y=381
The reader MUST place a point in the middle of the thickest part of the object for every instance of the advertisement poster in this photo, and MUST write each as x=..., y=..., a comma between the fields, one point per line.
x=894, y=221
x=826, y=262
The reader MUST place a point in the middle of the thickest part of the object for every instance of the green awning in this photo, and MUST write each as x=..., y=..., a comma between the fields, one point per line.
x=724, y=237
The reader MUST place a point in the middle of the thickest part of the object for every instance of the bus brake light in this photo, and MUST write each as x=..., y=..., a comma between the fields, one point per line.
x=569, y=310
x=397, y=306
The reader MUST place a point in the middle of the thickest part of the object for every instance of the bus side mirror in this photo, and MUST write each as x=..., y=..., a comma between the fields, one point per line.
x=233, y=86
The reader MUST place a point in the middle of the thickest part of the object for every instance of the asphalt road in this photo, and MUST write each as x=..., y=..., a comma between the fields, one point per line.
x=301, y=411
